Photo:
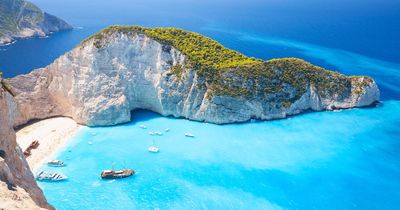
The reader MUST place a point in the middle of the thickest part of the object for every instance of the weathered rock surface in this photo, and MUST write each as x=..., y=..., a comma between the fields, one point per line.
x=21, y=19
x=18, y=189
x=101, y=81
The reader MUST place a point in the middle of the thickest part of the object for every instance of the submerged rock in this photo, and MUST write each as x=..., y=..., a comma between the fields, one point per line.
x=21, y=19
x=179, y=73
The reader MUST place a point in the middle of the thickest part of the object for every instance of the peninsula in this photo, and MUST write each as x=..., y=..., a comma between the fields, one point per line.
x=22, y=19
x=182, y=74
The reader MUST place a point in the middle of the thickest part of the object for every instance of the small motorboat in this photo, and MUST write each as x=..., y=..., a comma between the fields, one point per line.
x=167, y=130
x=153, y=149
x=158, y=133
x=189, y=135
x=50, y=176
x=56, y=163
x=151, y=133
x=142, y=126
x=112, y=174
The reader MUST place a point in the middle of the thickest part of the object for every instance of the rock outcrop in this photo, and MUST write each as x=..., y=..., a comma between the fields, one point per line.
x=125, y=68
x=21, y=19
x=18, y=189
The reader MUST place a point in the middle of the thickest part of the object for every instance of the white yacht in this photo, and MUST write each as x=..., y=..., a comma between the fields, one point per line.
x=153, y=149
x=189, y=135
x=50, y=176
x=56, y=163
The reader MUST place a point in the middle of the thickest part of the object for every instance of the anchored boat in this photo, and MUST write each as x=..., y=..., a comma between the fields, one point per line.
x=56, y=163
x=50, y=176
x=189, y=135
x=153, y=149
x=112, y=174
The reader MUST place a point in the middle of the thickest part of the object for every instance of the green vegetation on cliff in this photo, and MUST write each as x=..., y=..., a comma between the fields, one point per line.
x=4, y=85
x=231, y=73
x=12, y=12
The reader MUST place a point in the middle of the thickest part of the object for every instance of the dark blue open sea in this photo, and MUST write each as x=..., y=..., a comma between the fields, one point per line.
x=324, y=160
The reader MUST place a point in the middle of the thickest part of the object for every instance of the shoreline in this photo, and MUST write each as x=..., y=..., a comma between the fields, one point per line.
x=53, y=135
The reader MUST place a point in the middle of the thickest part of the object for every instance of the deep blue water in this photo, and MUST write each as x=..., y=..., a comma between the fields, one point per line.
x=346, y=160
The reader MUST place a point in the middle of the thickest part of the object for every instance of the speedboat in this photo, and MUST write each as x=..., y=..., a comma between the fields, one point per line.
x=189, y=135
x=142, y=126
x=50, y=176
x=153, y=149
x=167, y=130
x=112, y=174
x=151, y=133
x=158, y=133
x=56, y=163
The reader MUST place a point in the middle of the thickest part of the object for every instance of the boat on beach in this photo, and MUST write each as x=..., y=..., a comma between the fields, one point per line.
x=50, y=176
x=113, y=174
x=56, y=163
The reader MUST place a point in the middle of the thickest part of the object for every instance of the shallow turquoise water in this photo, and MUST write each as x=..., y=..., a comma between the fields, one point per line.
x=324, y=160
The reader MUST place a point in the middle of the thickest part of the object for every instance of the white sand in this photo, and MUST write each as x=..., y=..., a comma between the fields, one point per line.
x=53, y=135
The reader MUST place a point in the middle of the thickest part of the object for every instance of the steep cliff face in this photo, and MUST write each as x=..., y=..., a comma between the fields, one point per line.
x=125, y=68
x=20, y=19
x=18, y=189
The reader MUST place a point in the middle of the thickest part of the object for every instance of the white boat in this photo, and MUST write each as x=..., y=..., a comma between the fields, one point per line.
x=142, y=126
x=151, y=133
x=167, y=130
x=56, y=163
x=158, y=133
x=50, y=176
x=189, y=135
x=153, y=149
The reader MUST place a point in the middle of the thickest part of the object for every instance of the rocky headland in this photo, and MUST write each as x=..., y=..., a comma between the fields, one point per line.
x=18, y=189
x=22, y=19
x=182, y=74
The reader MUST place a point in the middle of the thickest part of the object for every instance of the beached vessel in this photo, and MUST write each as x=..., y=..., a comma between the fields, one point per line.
x=112, y=174
x=56, y=163
x=50, y=176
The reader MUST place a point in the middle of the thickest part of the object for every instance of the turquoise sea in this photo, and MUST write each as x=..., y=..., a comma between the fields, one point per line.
x=324, y=160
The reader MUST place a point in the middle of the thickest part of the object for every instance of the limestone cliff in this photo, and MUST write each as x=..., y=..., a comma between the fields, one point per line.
x=18, y=189
x=179, y=73
x=21, y=19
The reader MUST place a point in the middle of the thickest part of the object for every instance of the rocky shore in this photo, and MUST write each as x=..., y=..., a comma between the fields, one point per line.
x=18, y=188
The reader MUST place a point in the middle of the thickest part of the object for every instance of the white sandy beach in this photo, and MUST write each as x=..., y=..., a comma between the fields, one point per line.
x=53, y=134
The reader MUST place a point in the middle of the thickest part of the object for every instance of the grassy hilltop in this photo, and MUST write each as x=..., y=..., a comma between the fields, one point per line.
x=222, y=67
